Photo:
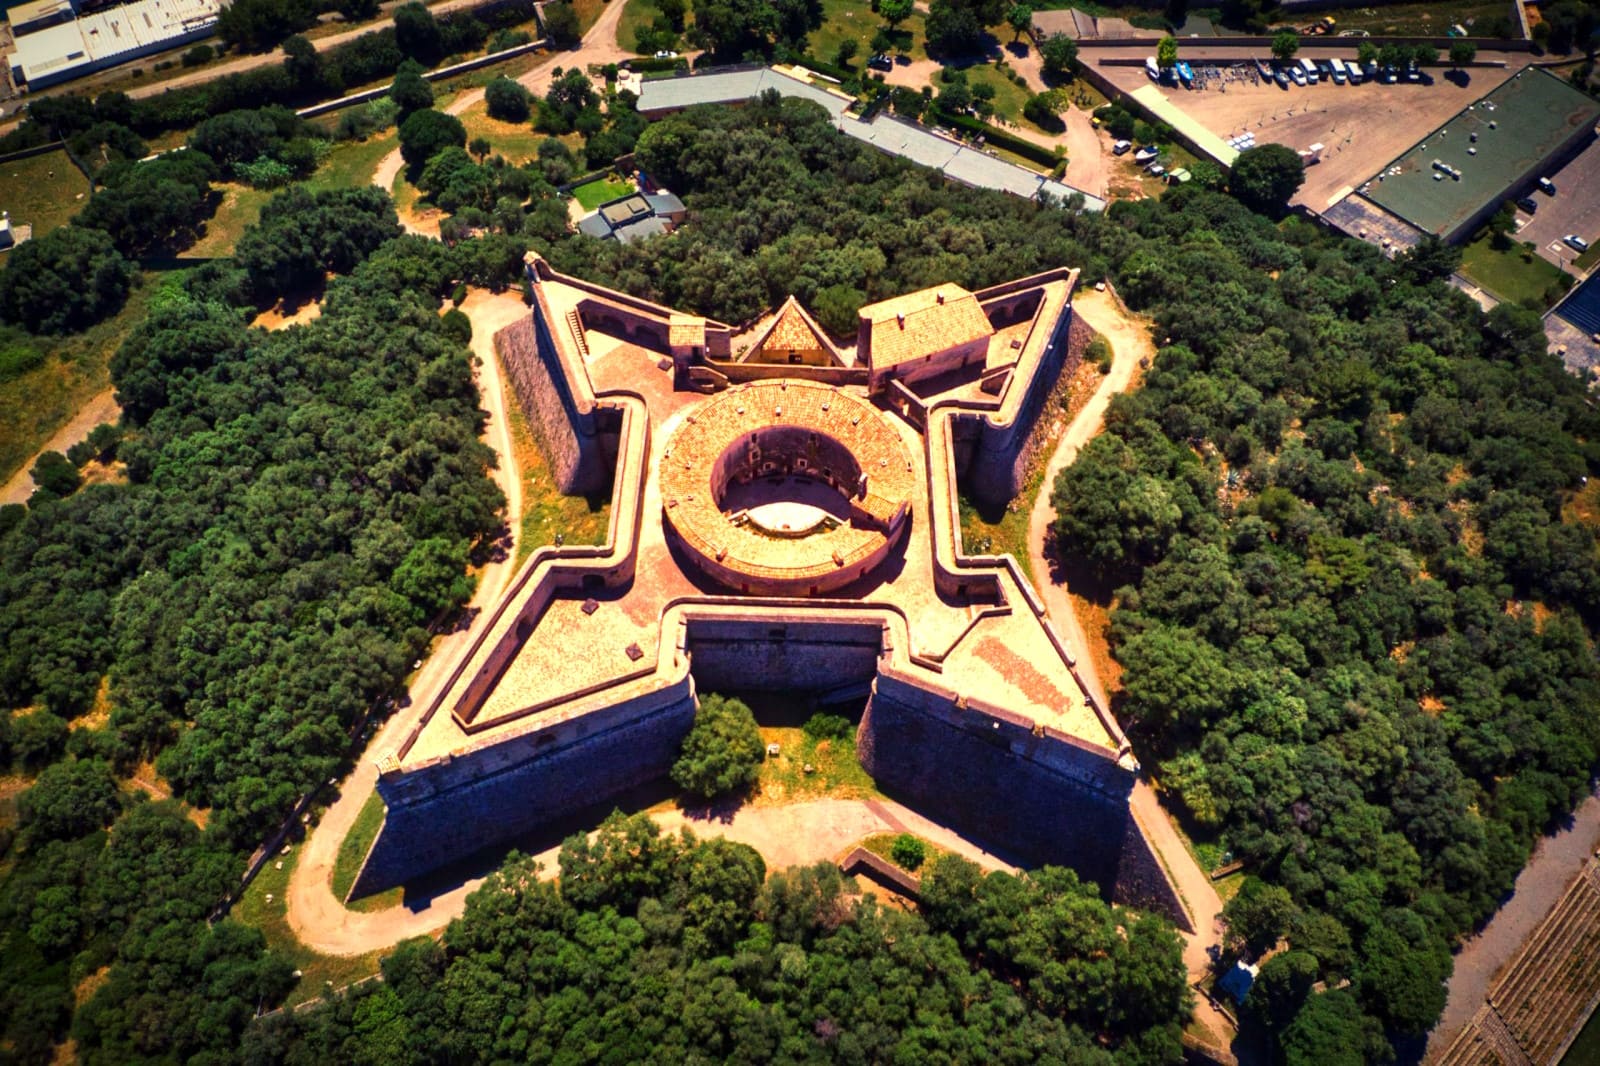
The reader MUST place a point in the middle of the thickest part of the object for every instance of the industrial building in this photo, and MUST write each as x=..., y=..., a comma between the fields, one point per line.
x=1496, y=149
x=60, y=53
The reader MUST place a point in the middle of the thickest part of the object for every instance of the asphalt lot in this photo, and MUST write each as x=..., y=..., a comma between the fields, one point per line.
x=1364, y=127
x=1575, y=208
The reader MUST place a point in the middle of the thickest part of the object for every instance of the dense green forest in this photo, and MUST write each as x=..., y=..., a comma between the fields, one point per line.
x=1357, y=634
x=664, y=949
x=1356, y=631
x=298, y=507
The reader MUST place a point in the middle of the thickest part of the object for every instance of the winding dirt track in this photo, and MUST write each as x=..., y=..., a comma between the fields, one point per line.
x=103, y=408
x=1131, y=342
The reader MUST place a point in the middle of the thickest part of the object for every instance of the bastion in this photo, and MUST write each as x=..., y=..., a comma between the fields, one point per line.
x=784, y=517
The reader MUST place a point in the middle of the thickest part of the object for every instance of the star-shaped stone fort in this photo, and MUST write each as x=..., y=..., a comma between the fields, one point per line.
x=784, y=516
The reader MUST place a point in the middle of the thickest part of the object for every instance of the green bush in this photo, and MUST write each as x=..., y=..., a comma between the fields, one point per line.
x=17, y=358
x=1099, y=353
x=827, y=727
x=457, y=325
x=998, y=137
x=723, y=751
x=908, y=852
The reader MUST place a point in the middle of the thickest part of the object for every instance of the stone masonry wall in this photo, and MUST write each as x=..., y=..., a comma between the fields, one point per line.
x=733, y=655
x=1042, y=799
x=1000, y=463
x=565, y=428
x=449, y=810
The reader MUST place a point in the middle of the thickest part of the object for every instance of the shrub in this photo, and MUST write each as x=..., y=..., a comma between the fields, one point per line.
x=198, y=55
x=457, y=325
x=908, y=852
x=1099, y=353
x=827, y=727
x=723, y=750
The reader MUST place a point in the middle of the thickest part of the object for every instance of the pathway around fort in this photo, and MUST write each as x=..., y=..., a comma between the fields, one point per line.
x=800, y=833
x=314, y=913
x=1131, y=342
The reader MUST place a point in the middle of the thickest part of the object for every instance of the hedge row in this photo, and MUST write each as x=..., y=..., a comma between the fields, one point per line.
x=998, y=137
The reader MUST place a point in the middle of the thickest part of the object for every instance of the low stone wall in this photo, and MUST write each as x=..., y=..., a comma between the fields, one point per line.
x=451, y=808
x=1040, y=796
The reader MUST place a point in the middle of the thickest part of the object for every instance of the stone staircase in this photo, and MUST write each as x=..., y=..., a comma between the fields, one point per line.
x=1555, y=979
x=575, y=324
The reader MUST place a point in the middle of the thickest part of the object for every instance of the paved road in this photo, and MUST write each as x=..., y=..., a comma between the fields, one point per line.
x=1131, y=342
x=1557, y=859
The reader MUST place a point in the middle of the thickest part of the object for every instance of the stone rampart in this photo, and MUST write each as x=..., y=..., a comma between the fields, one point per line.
x=559, y=409
x=1007, y=442
x=1039, y=795
x=783, y=652
x=450, y=808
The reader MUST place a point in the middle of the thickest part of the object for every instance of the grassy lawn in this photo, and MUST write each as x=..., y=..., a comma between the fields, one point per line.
x=1008, y=95
x=990, y=530
x=517, y=141
x=591, y=194
x=834, y=770
x=351, y=163
x=1588, y=259
x=545, y=511
x=638, y=15
x=1509, y=275
x=43, y=191
x=271, y=916
x=854, y=19
x=76, y=368
x=240, y=208
x=882, y=845
x=353, y=851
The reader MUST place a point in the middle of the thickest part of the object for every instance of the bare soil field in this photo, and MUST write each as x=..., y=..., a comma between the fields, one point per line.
x=1363, y=126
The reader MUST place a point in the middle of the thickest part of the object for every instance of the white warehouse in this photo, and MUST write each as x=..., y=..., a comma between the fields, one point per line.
x=106, y=38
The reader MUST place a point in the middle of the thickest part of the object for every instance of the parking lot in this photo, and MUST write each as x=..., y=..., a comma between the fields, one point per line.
x=1362, y=127
x=1575, y=208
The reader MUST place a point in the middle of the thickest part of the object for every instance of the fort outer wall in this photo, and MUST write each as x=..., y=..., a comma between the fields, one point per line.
x=1042, y=796
x=564, y=422
x=1003, y=444
x=457, y=805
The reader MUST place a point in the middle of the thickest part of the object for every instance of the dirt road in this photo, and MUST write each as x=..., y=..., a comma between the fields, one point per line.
x=310, y=897
x=599, y=45
x=799, y=833
x=103, y=408
x=1131, y=342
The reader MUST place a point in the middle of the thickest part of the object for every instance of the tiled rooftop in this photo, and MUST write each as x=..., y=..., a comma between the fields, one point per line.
x=923, y=323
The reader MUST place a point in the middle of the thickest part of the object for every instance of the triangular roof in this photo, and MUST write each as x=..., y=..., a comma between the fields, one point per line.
x=793, y=329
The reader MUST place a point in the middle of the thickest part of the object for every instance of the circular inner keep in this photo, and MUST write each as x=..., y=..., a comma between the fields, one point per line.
x=787, y=481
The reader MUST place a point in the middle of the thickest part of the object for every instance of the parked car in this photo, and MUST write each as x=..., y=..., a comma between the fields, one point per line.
x=1576, y=242
x=1527, y=204
x=1325, y=68
x=1298, y=75
x=1547, y=186
x=1281, y=77
x=1156, y=170
x=664, y=54
x=881, y=62
x=1120, y=147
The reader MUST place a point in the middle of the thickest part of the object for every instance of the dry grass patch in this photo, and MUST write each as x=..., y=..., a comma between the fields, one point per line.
x=834, y=772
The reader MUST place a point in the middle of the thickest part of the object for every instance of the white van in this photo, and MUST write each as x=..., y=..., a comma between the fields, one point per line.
x=1352, y=70
x=1338, y=71
x=1309, y=69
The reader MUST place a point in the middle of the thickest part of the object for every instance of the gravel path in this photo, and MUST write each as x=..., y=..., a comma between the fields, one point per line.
x=795, y=834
